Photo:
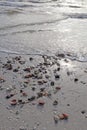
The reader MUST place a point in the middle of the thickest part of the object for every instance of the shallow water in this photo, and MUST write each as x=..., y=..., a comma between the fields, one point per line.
x=44, y=27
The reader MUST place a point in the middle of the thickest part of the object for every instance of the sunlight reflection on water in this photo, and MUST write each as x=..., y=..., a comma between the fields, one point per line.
x=43, y=26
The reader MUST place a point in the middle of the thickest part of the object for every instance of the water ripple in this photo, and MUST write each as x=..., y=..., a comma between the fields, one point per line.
x=33, y=24
x=77, y=15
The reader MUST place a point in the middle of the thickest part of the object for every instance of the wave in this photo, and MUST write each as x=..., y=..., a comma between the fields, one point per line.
x=27, y=31
x=59, y=54
x=72, y=56
x=36, y=3
x=77, y=15
x=33, y=24
x=39, y=9
x=16, y=4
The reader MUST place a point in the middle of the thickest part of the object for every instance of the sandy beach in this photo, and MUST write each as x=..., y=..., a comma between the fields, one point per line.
x=43, y=65
x=42, y=93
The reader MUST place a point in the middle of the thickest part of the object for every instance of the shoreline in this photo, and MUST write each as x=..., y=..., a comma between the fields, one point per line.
x=59, y=54
x=36, y=90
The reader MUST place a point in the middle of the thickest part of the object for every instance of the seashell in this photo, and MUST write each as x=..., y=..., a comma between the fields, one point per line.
x=56, y=119
x=13, y=102
x=28, y=76
x=41, y=102
x=63, y=116
x=58, y=88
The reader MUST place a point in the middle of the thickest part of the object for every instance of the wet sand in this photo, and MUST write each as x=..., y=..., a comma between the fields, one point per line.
x=42, y=93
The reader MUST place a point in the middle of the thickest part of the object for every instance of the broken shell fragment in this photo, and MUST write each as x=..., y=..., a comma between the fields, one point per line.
x=27, y=81
x=58, y=88
x=56, y=119
x=41, y=102
x=63, y=116
x=28, y=76
x=13, y=102
x=2, y=79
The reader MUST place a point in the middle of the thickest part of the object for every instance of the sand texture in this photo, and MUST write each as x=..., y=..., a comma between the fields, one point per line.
x=42, y=93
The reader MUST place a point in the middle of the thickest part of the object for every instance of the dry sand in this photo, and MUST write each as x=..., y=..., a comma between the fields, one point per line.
x=49, y=87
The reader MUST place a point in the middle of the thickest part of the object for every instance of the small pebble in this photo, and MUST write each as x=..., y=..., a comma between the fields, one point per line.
x=42, y=89
x=9, y=89
x=83, y=111
x=47, y=76
x=30, y=58
x=34, y=128
x=58, y=69
x=21, y=91
x=22, y=62
x=27, y=69
x=9, y=67
x=9, y=96
x=85, y=116
x=41, y=102
x=75, y=80
x=17, y=112
x=68, y=104
x=56, y=119
x=15, y=70
x=39, y=94
x=61, y=55
x=52, y=83
x=31, y=98
x=33, y=88
x=24, y=94
x=20, y=101
x=22, y=128
x=57, y=76
x=55, y=103
x=49, y=94
x=9, y=61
